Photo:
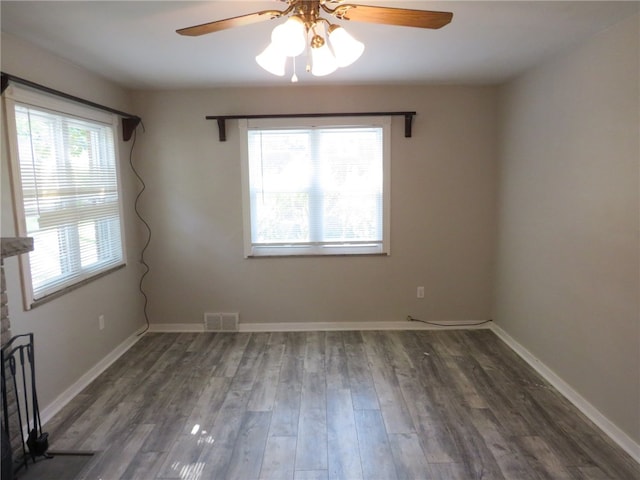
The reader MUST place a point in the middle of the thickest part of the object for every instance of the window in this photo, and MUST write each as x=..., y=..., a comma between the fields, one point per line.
x=316, y=186
x=65, y=184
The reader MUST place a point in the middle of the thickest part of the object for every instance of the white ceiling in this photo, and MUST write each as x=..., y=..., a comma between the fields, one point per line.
x=134, y=42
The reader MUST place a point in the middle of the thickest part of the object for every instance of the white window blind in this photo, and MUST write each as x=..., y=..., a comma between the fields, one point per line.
x=317, y=189
x=67, y=194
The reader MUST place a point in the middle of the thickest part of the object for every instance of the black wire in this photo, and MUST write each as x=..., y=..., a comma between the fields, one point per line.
x=411, y=319
x=144, y=248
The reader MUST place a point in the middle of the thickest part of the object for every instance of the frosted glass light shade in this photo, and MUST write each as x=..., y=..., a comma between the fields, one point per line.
x=289, y=37
x=322, y=61
x=272, y=60
x=346, y=48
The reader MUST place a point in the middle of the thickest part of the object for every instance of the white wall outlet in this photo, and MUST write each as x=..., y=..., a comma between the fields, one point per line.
x=420, y=293
x=101, y=322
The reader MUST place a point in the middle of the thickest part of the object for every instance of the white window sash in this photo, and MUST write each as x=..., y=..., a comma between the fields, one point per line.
x=372, y=247
x=13, y=96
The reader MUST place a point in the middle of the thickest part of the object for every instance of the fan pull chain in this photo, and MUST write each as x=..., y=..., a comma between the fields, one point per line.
x=294, y=77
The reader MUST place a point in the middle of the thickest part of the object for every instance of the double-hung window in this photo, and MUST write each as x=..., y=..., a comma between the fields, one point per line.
x=316, y=186
x=66, y=191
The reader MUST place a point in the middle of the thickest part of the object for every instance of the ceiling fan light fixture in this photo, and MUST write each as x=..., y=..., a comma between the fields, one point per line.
x=272, y=60
x=334, y=47
x=290, y=37
x=323, y=62
x=345, y=48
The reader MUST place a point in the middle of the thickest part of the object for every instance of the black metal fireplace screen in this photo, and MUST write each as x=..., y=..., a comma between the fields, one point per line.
x=20, y=398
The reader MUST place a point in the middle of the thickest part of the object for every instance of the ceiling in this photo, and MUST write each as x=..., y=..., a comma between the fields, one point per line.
x=134, y=42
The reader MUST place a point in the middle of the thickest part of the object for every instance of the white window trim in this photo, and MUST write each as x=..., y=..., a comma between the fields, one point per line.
x=23, y=95
x=286, y=250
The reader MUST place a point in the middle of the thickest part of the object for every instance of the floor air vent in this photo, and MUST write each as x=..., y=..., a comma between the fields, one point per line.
x=221, y=322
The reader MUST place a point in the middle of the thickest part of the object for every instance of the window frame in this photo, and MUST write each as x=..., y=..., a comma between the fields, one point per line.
x=18, y=96
x=321, y=248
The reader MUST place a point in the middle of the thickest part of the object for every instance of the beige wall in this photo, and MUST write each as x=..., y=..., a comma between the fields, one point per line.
x=443, y=186
x=67, y=339
x=568, y=265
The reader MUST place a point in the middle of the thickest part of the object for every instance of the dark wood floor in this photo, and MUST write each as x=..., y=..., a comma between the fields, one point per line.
x=315, y=405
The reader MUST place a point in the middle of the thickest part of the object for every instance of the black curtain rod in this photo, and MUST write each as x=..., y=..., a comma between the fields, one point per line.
x=129, y=121
x=222, y=126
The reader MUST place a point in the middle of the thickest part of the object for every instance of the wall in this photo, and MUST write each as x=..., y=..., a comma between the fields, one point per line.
x=568, y=245
x=68, y=342
x=443, y=186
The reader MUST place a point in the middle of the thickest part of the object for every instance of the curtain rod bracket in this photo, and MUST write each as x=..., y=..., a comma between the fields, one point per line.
x=222, y=125
x=222, y=129
x=5, y=82
x=129, y=124
x=408, y=118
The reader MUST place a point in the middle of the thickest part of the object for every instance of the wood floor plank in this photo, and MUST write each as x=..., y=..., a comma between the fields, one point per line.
x=207, y=405
x=250, y=362
x=137, y=361
x=216, y=456
x=512, y=464
x=216, y=350
x=286, y=411
x=410, y=461
x=248, y=451
x=474, y=455
x=124, y=414
x=336, y=368
x=265, y=387
x=542, y=459
x=588, y=473
x=430, y=425
x=228, y=363
x=182, y=460
x=144, y=466
x=274, y=351
x=392, y=405
x=375, y=452
x=363, y=391
x=310, y=475
x=314, y=353
x=311, y=448
x=90, y=419
x=113, y=462
x=295, y=344
x=343, y=449
x=278, y=463
x=496, y=393
x=447, y=471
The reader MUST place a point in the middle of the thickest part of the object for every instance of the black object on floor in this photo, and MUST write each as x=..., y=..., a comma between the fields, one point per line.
x=18, y=360
x=60, y=466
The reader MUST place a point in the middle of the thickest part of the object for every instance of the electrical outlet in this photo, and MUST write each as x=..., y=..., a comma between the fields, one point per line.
x=420, y=293
x=101, y=322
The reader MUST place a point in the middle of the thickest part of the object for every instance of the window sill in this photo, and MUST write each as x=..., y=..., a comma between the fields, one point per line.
x=75, y=286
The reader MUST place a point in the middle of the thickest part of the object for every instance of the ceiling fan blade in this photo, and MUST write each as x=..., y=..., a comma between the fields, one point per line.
x=218, y=25
x=392, y=16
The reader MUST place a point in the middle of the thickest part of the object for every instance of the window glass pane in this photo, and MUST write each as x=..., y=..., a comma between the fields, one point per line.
x=70, y=195
x=88, y=243
x=45, y=257
x=316, y=186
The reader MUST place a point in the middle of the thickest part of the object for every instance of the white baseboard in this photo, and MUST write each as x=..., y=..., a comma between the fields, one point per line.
x=176, y=327
x=614, y=432
x=324, y=326
x=65, y=397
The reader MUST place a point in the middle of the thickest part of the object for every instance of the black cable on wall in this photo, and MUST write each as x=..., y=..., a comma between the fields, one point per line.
x=144, y=222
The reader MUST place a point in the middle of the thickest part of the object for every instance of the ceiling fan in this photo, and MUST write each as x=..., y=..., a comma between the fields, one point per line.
x=306, y=30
